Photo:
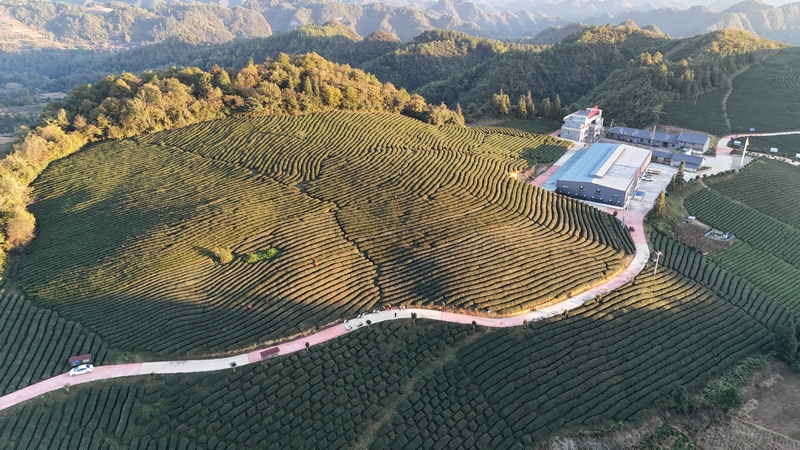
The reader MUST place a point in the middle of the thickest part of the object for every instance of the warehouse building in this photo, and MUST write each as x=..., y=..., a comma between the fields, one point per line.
x=685, y=141
x=695, y=142
x=691, y=163
x=643, y=137
x=603, y=173
x=583, y=126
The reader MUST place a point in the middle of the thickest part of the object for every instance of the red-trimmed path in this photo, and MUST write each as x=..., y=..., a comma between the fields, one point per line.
x=205, y=365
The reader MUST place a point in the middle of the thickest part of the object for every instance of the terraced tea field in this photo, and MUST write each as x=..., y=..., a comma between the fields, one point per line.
x=429, y=385
x=788, y=145
x=769, y=252
x=705, y=115
x=37, y=343
x=766, y=185
x=766, y=95
x=363, y=209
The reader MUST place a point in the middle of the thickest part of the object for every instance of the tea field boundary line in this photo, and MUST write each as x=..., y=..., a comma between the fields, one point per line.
x=63, y=380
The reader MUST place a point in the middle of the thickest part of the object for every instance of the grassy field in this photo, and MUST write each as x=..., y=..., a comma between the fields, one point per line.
x=706, y=115
x=765, y=96
x=429, y=385
x=364, y=210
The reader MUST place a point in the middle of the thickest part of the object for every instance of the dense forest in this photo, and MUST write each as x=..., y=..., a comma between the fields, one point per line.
x=605, y=65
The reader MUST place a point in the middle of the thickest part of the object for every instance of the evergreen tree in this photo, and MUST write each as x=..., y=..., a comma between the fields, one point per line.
x=501, y=104
x=660, y=207
x=546, y=109
x=522, y=107
x=557, y=111
x=530, y=106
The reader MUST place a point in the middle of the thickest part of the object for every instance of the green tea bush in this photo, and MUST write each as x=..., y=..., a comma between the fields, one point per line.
x=261, y=255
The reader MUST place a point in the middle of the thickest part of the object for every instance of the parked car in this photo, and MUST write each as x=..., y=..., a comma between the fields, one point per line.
x=80, y=370
x=647, y=178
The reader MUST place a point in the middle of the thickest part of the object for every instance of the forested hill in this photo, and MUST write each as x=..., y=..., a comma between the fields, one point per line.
x=631, y=72
x=571, y=68
x=687, y=67
x=436, y=55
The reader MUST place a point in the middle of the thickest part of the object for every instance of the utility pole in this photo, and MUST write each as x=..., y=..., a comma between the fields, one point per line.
x=624, y=211
x=744, y=151
x=658, y=255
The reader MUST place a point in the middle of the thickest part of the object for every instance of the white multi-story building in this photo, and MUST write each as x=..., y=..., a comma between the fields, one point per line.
x=584, y=125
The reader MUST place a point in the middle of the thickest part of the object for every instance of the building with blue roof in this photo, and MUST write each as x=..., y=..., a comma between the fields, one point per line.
x=603, y=173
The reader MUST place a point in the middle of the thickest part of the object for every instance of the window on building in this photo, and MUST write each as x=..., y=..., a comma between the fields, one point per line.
x=564, y=186
x=615, y=195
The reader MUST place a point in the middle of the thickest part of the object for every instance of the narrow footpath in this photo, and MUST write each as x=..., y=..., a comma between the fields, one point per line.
x=64, y=381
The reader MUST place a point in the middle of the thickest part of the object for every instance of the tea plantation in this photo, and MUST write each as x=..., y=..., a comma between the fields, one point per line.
x=765, y=96
x=767, y=253
x=37, y=342
x=703, y=113
x=788, y=145
x=364, y=210
x=765, y=185
x=426, y=385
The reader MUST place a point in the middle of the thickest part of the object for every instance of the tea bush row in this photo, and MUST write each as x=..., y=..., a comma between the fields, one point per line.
x=380, y=196
x=37, y=342
x=770, y=311
x=426, y=385
x=765, y=185
x=757, y=229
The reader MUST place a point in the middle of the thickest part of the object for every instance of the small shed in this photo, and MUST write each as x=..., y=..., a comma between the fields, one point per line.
x=270, y=353
x=80, y=359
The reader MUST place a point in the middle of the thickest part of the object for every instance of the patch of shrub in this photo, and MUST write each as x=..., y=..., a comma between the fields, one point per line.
x=223, y=254
x=261, y=255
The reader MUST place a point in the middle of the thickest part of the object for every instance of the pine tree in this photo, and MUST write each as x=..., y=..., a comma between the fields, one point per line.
x=546, y=110
x=660, y=207
x=557, y=112
x=522, y=107
x=501, y=104
x=530, y=106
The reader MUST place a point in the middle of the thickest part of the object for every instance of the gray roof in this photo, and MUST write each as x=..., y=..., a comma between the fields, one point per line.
x=688, y=159
x=694, y=138
x=644, y=134
x=603, y=164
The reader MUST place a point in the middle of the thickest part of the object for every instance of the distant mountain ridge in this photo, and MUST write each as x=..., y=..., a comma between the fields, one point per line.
x=121, y=22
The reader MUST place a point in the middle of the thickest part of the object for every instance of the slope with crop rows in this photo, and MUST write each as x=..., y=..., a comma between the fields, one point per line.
x=424, y=385
x=360, y=210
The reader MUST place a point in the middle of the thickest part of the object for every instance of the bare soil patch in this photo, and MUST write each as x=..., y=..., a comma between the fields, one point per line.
x=773, y=401
x=693, y=235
